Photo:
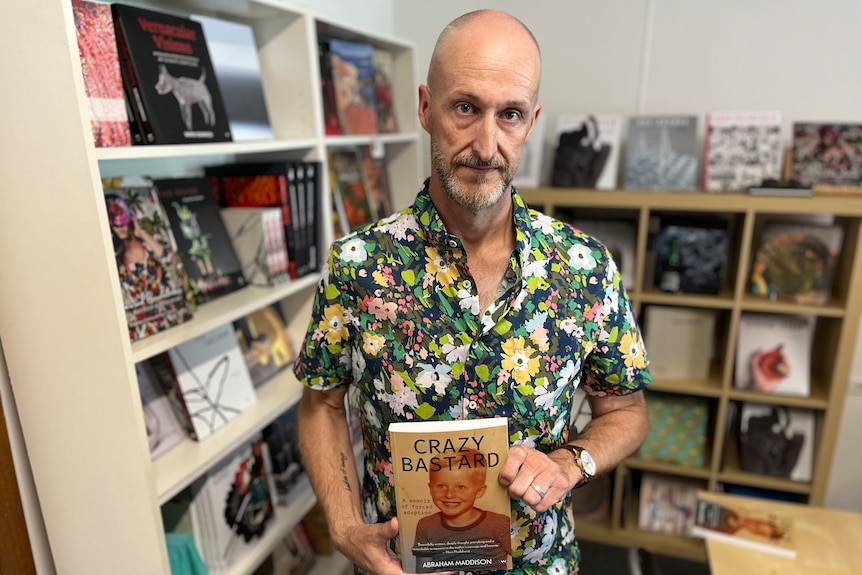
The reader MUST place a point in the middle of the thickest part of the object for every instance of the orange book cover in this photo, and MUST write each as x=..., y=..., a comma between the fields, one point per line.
x=744, y=525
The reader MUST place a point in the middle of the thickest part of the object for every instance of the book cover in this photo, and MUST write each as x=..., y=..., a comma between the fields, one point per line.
x=257, y=237
x=384, y=66
x=168, y=72
x=375, y=176
x=163, y=429
x=353, y=83
x=288, y=472
x=529, y=173
x=294, y=554
x=151, y=274
x=236, y=493
x=265, y=342
x=331, y=123
x=777, y=440
x=314, y=193
x=827, y=154
x=796, y=262
x=773, y=353
x=703, y=244
x=661, y=153
x=233, y=52
x=741, y=524
x=351, y=191
x=741, y=150
x=619, y=237
x=667, y=504
x=103, y=84
x=587, y=151
x=210, y=379
x=678, y=429
x=439, y=530
x=685, y=355
x=203, y=242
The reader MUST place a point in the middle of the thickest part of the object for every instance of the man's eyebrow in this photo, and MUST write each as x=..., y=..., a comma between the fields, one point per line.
x=465, y=95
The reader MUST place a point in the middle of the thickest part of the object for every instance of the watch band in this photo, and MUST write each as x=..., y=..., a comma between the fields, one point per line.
x=576, y=450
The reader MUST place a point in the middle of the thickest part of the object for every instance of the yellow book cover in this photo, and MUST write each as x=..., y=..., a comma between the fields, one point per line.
x=453, y=514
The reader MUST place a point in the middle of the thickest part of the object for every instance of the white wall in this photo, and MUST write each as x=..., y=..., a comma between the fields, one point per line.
x=367, y=15
x=688, y=56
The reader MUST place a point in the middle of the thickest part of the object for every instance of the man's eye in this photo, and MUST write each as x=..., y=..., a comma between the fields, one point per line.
x=464, y=108
x=512, y=115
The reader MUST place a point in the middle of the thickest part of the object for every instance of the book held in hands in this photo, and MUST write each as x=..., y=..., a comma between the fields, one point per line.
x=438, y=530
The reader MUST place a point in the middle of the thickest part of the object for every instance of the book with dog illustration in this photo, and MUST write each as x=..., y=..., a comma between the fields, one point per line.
x=453, y=513
x=202, y=239
x=103, y=84
x=169, y=75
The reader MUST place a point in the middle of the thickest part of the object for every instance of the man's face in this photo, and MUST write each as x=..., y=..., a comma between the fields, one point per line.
x=454, y=492
x=479, y=110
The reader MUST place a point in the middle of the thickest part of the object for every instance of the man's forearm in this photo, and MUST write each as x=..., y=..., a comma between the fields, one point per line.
x=327, y=455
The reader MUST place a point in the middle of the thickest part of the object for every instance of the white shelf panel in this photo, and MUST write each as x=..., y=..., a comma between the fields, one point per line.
x=189, y=459
x=195, y=150
x=365, y=139
x=218, y=312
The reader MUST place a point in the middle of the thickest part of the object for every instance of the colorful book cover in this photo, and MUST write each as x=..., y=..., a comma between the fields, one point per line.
x=288, y=472
x=742, y=150
x=743, y=524
x=233, y=52
x=661, y=153
x=827, y=154
x=103, y=84
x=587, y=151
x=164, y=430
x=350, y=186
x=203, y=242
x=265, y=342
x=529, y=173
x=773, y=353
x=353, y=81
x=384, y=66
x=211, y=380
x=434, y=534
x=796, y=262
x=151, y=274
x=667, y=504
x=375, y=175
x=678, y=428
x=777, y=440
x=170, y=77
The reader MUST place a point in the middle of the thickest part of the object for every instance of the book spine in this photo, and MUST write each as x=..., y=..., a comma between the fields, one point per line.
x=130, y=82
x=296, y=237
x=314, y=188
x=331, y=124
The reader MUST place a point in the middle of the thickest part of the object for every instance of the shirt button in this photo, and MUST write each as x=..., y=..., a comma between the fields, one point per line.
x=453, y=243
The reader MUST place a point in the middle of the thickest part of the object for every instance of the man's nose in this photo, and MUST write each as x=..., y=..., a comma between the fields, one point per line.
x=485, y=140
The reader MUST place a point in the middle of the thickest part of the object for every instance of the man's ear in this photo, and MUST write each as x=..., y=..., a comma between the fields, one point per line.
x=534, y=118
x=425, y=107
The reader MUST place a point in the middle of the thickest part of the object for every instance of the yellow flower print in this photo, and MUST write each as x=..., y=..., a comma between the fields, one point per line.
x=372, y=344
x=434, y=264
x=332, y=324
x=632, y=350
x=518, y=359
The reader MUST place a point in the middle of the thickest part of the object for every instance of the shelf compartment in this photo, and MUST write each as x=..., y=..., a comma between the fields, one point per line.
x=635, y=462
x=188, y=460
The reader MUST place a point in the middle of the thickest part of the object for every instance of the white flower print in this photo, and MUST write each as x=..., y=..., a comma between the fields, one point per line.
x=369, y=512
x=354, y=251
x=569, y=325
x=455, y=354
x=437, y=377
x=468, y=301
x=371, y=415
x=558, y=567
x=544, y=223
x=358, y=364
x=536, y=268
x=400, y=225
x=404, y=397
x=580, y=257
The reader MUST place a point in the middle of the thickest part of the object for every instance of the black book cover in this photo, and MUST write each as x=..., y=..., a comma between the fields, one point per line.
x=202, y=240
x=166, y=64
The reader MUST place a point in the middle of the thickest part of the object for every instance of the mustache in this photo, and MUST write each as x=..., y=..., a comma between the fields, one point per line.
x=474, y=161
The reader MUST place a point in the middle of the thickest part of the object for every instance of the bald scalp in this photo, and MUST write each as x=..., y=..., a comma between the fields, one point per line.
x=487, y=17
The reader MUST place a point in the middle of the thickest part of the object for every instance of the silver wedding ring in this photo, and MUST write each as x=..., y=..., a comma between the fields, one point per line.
x=538, y=490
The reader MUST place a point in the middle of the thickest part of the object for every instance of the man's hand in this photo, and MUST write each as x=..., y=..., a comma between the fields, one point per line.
x=540, y=480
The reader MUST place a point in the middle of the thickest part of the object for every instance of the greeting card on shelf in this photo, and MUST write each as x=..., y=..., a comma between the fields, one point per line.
x=434, y=536
x=773, y=353
x=742, y=524
x=587, y=151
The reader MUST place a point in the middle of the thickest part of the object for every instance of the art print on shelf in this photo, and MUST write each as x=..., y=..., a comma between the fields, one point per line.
x=827, y=154
x=796, y=262
x=434, y=534
x=150, y=270
x=168, y=72
x=587, y=151
x=777, y=440
x=103, y=84
x=203, y=242
x=529, y=173
x=353, y=82
x=211, y=380
x=661, y=153
x=740, y=524
x=233, y=52
x=742, y=150
x=773, y=353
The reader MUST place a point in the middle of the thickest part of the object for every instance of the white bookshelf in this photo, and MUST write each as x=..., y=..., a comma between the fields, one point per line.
x=70, y=363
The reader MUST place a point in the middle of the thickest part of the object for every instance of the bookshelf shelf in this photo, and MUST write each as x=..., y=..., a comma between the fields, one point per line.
x=76, y=392
x=831, y=358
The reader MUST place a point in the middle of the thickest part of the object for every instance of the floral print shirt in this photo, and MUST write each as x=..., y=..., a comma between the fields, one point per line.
x=397, y=315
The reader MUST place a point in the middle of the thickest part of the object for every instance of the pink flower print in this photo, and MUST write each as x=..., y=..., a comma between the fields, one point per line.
x=381, y=310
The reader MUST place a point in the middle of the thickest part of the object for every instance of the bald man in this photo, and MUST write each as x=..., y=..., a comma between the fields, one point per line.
x=470, y=305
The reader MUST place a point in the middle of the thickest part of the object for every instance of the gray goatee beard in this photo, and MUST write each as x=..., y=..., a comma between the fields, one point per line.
x=463, y=197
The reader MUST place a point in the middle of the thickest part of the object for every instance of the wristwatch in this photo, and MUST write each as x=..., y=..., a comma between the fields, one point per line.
x=584, y=461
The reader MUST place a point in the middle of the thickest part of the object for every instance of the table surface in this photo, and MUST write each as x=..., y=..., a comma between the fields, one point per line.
x=828, y=542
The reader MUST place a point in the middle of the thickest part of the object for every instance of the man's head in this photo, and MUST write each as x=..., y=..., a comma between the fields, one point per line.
x=480, y=104
x=455, y=489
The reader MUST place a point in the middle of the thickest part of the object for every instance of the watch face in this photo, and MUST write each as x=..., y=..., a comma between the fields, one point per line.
x=588, y=463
